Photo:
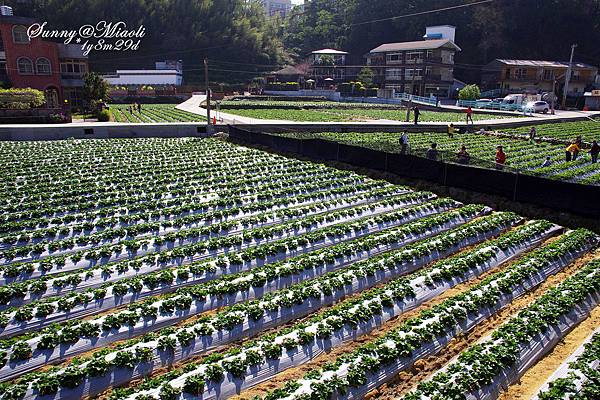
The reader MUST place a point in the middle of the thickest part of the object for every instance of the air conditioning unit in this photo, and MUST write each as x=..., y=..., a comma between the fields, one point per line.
x=6, y=10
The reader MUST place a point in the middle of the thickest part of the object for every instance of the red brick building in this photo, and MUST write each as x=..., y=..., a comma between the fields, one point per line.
x=55, y=68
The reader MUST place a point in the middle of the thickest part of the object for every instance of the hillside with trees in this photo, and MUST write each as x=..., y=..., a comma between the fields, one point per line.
x=227, y=32
x=529, y=29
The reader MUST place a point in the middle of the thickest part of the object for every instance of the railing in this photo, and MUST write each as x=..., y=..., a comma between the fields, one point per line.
x=489, y=105
x=418, y=99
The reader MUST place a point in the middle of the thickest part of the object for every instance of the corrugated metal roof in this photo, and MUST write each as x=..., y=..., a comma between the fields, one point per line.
x=418, y=45
x=328, y=51
x=535, y=63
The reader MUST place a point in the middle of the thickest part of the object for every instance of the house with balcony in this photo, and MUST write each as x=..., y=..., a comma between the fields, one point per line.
x=532, y=76
x=424, y=67
x=327, y=67
x=55, y=68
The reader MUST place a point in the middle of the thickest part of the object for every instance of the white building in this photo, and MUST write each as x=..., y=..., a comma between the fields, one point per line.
x=166, y=73
x=275, y=7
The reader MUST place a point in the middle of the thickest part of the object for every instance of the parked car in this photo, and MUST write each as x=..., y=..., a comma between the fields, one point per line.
x=483, y=103
x=538, y=106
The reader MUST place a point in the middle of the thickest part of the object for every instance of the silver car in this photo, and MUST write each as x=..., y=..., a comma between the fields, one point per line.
x=538, y=106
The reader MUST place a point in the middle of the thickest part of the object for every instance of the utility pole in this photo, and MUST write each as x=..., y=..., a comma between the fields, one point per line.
x=208, y=120
x=412, y=89
x=568, y=77
x=553, y=96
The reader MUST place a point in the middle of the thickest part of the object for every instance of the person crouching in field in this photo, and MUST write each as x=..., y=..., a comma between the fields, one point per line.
x=463, y=157
x=571, y=152
x=500, y=158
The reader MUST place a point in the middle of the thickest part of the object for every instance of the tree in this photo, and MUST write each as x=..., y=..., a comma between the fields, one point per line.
x=469, y=92
x=365, y=76
x=95, y=89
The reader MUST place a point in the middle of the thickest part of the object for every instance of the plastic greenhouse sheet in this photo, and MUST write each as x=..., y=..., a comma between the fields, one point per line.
x=563, y=370
x=535, y=349
x=251, y=328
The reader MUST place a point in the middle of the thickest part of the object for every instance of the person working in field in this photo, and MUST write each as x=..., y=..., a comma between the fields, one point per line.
x=547, y=162
x=532, y=133
x=594, y=151
x=417, y=113
x=463, y=157
x=572, y=151
x=469, y=115
x=451, y=130
x=500, y=158
x=432, y=153
x=403, y=142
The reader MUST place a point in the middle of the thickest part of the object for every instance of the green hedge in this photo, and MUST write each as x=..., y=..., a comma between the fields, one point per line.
x=283, y=86
x=21, y=98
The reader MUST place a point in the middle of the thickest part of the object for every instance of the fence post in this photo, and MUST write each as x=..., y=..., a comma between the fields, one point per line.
x=515, y=188
x=386, y=161
x=445, y=172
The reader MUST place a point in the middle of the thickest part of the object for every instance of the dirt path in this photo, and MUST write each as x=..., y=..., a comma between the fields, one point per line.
x=300, y=371
x=535, y=377
x=422, y=369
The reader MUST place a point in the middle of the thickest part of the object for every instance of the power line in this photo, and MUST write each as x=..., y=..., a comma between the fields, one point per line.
x=423, y=12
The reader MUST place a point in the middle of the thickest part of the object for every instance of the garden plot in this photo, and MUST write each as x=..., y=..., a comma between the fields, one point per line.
x=335, y=112
x=213, y=268
x=152, y=113
x=522, y=155
x=588, y=130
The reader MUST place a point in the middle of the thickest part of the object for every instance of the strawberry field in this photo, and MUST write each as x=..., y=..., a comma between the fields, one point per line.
x=153, y=113
x=522, y=155
x=328, y=111
x=198, y=269
x=589, y=130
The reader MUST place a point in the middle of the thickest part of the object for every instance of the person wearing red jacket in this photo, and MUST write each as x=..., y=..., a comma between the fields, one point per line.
x=500, y=158
x=469, y=115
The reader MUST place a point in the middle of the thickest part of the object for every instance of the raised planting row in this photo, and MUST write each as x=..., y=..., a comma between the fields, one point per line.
x=484, y=369
x=153, y=113
x=376, y=361
x=246, y=316
x=525, y=156
x=578, y=378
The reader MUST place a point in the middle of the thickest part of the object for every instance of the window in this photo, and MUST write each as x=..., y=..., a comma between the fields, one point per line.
x=414, y=56
x=520, y=73
x=394, y=57
x=72, y=68
x=19, y=33
x=25, y=66
x=393, y=73
x=42, y=66
x=409, y=73
x=548, y=74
